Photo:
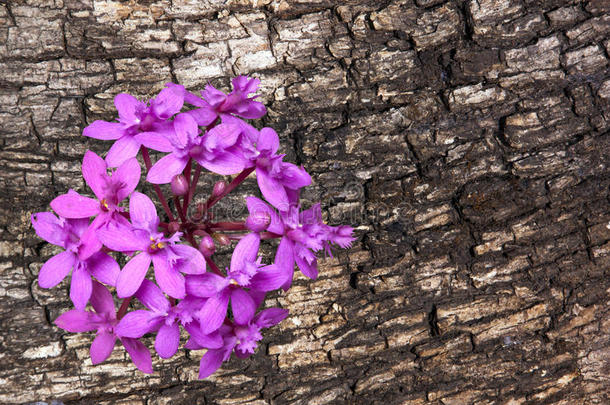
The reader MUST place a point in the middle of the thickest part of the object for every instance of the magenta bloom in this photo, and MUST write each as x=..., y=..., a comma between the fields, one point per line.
x=215, y=103
x=67, y=233
x=276, y=179
x=245, y=272
x=104, y=321
x=303, y=233
x=169, y=259
x=237, y=337
x=164, y=319
x=216, y=150
x=182, y=297
x=110, y=190
x=135, y=117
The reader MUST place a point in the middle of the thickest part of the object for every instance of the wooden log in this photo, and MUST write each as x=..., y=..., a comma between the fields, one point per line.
x=467, y=142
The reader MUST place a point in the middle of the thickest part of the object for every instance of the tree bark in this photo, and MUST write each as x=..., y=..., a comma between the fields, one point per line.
x=467, y=142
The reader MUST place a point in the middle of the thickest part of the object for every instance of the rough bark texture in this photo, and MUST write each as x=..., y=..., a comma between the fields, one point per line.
x=468, y=140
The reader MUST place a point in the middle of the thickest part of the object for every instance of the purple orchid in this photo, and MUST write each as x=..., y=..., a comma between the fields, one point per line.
x=109, y=190
x=245, y=272
x=135, y=117
x=237, y=337
x=276, y=179
x=169, y=258
x=183, y=296
x=67, y=233
x=105, y=322
x=216, y=150
x=303, y=232
x=216, y=104
x=164, y=318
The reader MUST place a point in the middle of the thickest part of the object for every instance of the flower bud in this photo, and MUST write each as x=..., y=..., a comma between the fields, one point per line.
x=206, y=246
x=179, y=185
x=173, y=227
x=219, y=189
x=222, y=239
x=258, y=221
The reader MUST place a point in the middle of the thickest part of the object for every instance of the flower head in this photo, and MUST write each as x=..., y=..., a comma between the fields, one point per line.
x=213, y=103
x=104, y=321
x=136, y=117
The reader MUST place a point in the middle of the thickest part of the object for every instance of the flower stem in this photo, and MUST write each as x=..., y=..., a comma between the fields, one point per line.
x=264, y=235
x=213, y=266
x=123, y=309
x=270, y=235
x=148, y=164
x=228, y=226
x=179, y=208
x=187, y=174
x=192, y=186
x=236, y=181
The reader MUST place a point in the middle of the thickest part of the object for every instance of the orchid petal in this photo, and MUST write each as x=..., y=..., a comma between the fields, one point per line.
x=225, y=163
x=80, y=286
x=166, y=168
x=104, y=268
x=167, y=103
x=74, y=205
x=154, y=141
x=268, y=278
x=268, y=140
x=168, y=278
x=205, y=285
x=139, y=354
x=56, y=269
x=76, y=321
x=152, y=297
x=136, y=324
x=269, y=317
x=94, y=173
x=245, y=251
x=122, y=238
x=284, y=259
x=243, y=306
x=272, y=189
x=142, y=212
x=191, y=260
x=186, y=129
x=49, y=228
x=308, y=269
x=127, y=105
x=102, y=347
x=213, y=313
x=167, y=340
x=130, y=278
x=101, y=300
x=210, y=362
x=293, y=176
x=103, y=130
x=210, y=341
x=127, y=176
x=124, y=148
x=204, y=116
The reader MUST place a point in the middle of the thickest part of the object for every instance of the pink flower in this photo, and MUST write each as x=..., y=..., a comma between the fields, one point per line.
x=104, y=321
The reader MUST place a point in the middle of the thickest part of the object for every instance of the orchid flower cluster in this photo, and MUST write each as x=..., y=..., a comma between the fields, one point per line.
x=189, y=290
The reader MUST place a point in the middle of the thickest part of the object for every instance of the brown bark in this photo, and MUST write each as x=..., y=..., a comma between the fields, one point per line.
x=466, y=140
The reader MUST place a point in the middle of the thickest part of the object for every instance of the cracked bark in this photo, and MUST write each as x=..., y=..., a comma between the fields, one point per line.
x=467, y=140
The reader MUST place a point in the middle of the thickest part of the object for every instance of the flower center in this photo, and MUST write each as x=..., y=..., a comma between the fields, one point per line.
x=155, y=245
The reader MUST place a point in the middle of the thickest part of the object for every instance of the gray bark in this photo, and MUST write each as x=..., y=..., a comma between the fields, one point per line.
x=466, y=140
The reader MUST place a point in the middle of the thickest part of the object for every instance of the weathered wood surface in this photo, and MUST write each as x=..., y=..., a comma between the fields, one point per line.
x=468, y=141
